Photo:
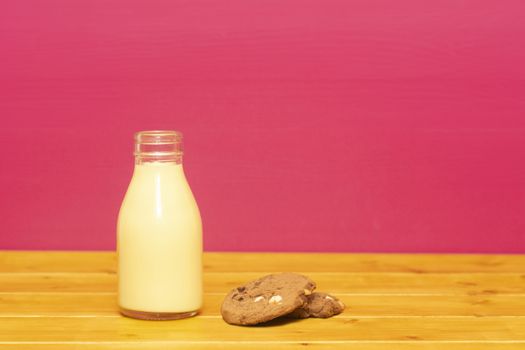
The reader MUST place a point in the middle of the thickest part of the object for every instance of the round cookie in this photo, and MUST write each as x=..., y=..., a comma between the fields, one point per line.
x=266, y=298
x=320, y=305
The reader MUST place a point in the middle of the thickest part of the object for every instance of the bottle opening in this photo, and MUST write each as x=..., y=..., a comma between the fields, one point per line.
x=158, y=146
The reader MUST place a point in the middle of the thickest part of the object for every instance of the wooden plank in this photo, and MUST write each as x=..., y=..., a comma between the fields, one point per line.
x=199, y=329
x=30, y=261
x=418, y=263
x=49, y=303
x=219, y=345
x=58, y=282
x=357, y=283
x=104, y=305
x=57, y=261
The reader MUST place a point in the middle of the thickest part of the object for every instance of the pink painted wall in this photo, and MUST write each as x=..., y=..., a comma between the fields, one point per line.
x=366, y=125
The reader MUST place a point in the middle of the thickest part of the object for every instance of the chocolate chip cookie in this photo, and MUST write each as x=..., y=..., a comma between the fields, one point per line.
x=320, y=305
x=266, y=298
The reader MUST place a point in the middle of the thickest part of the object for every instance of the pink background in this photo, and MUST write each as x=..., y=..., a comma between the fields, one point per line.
x=364, y=125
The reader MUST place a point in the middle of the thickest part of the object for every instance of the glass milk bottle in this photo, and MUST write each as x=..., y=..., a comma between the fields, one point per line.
x=159, y=234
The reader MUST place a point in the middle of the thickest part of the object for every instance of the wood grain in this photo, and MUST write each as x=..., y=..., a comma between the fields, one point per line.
x=104, y=262
x=343, y=282
x=93, y=305
x=57, y=261
x=62, y=300
x=361, y=345
x=200, y=329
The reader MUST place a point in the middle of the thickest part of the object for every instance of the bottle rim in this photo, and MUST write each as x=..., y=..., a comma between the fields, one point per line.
x=157, y=137
x=158, y=146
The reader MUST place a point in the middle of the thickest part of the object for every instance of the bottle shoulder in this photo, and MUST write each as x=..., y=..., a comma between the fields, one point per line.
x=159, y=193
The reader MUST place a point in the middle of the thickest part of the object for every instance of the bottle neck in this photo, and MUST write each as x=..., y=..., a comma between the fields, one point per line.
x=139, y=160
x=158, y=146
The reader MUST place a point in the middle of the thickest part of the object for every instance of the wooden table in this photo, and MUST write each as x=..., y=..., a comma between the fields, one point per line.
x=67, y=300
